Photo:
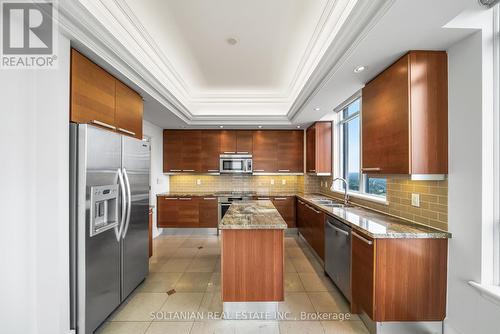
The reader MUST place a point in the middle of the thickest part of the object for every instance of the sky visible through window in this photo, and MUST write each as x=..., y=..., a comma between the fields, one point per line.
x=352, y=167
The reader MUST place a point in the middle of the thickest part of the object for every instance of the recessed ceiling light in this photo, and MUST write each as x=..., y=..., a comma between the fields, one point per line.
x=222, y=126
x=298, y=126
x=359, y=69
x=232, y=41
x=317, y=109
x=260, y=126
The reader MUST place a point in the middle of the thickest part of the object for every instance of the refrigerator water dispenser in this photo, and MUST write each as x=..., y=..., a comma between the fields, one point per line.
x=103, y=208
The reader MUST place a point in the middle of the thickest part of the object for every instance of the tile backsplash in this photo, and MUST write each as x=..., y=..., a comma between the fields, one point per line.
x=433, y=210
x=211, y=183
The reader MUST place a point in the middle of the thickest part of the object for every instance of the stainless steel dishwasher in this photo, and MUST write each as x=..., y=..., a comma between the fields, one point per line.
x=338, y=254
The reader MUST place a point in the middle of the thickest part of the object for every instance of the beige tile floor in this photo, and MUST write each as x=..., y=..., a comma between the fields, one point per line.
x=190, y=264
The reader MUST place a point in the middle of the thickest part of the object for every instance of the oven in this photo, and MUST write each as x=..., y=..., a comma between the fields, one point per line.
x=226, y=200
x=235, y=163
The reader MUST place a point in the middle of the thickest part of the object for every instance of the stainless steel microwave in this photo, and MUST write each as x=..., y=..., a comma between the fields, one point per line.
x=235, y=163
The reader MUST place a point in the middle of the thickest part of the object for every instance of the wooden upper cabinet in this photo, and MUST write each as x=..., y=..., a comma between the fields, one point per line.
x=191, y=151
x=92, y=92
x=181, y=151
x=319, y=148
x=227, y=142
x=244, y=142
x=265, y=151
x=405, y=117
x=198, y=150
x=172, y=151
x=129, y=109
x=290, y=151
x=236, y=142
x=210, y=140
x=98, y=98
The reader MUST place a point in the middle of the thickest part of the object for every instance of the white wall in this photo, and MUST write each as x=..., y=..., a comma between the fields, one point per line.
x=34, y=237
x=470, y=184
x=159, y=182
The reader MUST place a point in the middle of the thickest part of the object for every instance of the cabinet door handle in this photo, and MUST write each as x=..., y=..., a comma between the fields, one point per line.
x=283, y=170
x=366, y=241
x=188, y=170
x=371, y=169
x=312, y=170
x=313, y=209
x=209, y=198
x=176, y=170
x=258, y=170
x=263, y=198
x=126, y=131
x=106, y=125
x=280, y=198
x=212, y=170
x=300, y=202
x=246, y=152
x=230, y=152
x=184, y=199
x=170, y=198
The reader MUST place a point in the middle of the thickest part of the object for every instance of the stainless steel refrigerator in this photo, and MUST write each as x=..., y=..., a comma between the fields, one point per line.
x=109, y=205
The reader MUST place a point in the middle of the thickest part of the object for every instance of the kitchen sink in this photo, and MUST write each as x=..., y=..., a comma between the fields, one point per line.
x=328, y=203
x=334, y=205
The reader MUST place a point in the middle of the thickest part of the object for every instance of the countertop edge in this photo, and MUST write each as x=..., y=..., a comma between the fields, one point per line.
x=423, y=235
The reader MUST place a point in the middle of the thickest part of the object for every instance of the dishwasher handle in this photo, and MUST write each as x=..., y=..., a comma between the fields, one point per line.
x=338, y=229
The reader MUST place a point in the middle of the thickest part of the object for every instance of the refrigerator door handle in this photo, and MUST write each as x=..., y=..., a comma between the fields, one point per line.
x=129, y=196
x=119, y=228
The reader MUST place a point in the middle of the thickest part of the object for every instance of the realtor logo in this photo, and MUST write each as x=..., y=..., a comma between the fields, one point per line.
x=28, y=34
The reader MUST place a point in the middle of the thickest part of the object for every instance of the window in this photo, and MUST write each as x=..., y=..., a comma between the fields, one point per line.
x=349, y=154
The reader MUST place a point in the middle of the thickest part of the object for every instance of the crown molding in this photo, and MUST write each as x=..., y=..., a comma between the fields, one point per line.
x=112, y=32
x=85, y=30
x=362, y=20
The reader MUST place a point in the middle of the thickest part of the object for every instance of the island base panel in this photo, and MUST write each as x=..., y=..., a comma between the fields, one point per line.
x=252, y=264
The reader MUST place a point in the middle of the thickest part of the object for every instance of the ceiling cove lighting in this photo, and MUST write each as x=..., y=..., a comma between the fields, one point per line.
x=359, y=69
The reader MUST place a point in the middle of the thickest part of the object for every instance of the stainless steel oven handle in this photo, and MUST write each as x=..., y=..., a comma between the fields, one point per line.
x=119, y=228
x=129, y=195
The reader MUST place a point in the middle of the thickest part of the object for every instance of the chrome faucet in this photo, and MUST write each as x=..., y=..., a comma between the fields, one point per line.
x=346, y=197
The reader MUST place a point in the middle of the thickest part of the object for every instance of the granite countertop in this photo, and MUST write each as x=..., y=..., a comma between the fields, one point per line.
x=257, y=194
x=374, y=224
x=259, y=214
x=185, y=194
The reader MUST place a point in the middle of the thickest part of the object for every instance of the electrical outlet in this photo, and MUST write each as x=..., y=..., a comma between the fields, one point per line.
x=415, y=200
x=198, y=181
x=272, y=181
x=283, y=182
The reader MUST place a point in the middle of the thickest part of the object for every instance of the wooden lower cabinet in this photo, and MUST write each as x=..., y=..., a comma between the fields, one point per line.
x=311, y=224
x=189, y=212
x=286, y=208
x=178, y=211
x=399, y=279
x=208, y=212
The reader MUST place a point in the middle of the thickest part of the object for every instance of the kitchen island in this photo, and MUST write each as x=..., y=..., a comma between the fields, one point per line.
x=252, y=258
